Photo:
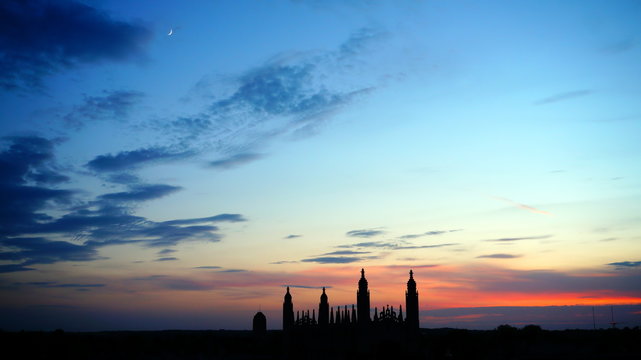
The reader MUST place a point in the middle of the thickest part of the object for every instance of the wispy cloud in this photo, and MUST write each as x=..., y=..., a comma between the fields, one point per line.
x=54, y=284
x=393, y=246
x=235, y=160
x=28, y=236
x=292, y=236
x=347, y=252
x=427, y=233
x=216, y=218
x=364, y=233
x=522, y=206
x=169, y=258
x=281, y=262
x=208, y=267
x=42, y=38
x=334, y=259
x=499, y=256
x=289, y=95
x=129, y=160
x=112, y=105
x=563, y=96
x=139, y=193
x=511, y=239
x=626, y=264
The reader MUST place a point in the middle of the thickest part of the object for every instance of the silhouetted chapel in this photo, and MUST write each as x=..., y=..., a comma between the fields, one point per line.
x=359, y=318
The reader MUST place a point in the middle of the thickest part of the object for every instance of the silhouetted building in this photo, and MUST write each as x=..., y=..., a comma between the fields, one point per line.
x=362, y=300
x=323, y=310
x=288, y=311
x=388, y=318
x=411, y=303
x=260, y=323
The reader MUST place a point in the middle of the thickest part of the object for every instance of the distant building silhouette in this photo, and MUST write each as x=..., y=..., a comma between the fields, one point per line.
x=362, y=300
x=359, y=316
x=288, y=311
x=411, y=303
x=259, y=323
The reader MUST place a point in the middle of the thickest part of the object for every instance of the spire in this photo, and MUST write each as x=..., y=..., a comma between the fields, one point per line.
x=323, y=310
x=362, y=300
x=288, y=311
x=411, y=304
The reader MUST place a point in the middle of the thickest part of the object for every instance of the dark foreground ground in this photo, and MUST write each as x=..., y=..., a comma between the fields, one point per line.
x=504, y=343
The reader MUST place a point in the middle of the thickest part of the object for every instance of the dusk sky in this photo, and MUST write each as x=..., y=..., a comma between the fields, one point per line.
x=175, y=165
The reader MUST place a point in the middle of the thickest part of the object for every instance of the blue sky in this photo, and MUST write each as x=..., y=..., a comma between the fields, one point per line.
x=264, y=143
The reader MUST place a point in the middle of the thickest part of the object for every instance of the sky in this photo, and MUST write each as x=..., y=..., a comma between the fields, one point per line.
x=175, y=166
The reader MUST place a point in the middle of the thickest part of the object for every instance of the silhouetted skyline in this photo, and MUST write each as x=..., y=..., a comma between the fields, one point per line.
x=165, y=166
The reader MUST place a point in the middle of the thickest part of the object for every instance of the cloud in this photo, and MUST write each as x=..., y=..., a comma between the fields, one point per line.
x=358, y=41
x=410, y=247
x=215, y=218
x=141, y=193
x=37, y=250
x=548, y=317
x=499, y=256
x=128, y=160
x=522, y=206
x=207, y=267
x=123, y=178
x=113, y=105
x=393, y=246
x=624, y=264
x=54, y=284
x=563, y=96
x=278, y=88
x=292, y=236
x=375, y=244
x=232, y=271
x=548, y=281
x=289, y=95
x=333, y=259
x=7, y=268
x=364, y=233
x=427, y=233
x=347, y=252
x=29, y=159
x=29, y=236
x=27, y=172
x=284, y=262
x=235, y=160
x=170, y=258
x=520, y=238
x=110, y=225
x=166, y=251
x=42, y=38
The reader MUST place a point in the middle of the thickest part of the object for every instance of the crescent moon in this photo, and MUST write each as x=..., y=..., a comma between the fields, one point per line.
x=171, y=31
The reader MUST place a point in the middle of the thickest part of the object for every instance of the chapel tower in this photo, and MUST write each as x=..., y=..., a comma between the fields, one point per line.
x=323, y=310
x=362, y=300
x=288, y=311
x=411, y=304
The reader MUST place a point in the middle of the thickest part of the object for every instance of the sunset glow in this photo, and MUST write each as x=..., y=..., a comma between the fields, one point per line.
x=172, y=166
